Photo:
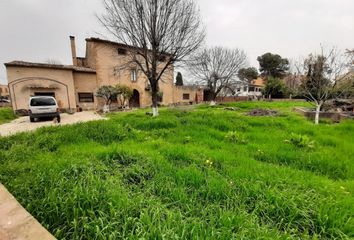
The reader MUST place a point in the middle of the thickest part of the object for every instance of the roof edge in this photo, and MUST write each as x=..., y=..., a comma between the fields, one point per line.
x=50, y=66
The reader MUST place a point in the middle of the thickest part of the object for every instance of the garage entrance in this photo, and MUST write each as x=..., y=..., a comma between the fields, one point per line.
x=48, y=94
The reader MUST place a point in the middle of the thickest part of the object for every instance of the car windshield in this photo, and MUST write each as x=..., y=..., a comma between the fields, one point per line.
x=35, y=102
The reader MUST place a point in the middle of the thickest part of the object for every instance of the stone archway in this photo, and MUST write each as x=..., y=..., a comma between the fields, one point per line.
x=45, y=85
x=134, y=101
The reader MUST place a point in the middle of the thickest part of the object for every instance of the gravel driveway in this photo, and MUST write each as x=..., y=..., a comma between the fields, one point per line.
x=23, y=124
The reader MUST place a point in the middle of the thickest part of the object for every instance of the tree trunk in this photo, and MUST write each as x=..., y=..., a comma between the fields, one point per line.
x=154, y=98
x=213, y=103
x=317, y=115
x=213, y=100
x=106, y=108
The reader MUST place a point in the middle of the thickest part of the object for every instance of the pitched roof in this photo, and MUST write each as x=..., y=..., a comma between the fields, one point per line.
x=52, y=66
x=93, y=39
x=122, y=45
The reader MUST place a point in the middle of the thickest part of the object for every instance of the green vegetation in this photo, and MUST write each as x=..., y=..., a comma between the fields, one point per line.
x=6, y=115
x=276, y=88
x=202, y=173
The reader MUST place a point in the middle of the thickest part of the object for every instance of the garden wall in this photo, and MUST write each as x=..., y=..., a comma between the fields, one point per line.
x=5, y=104
x=231, y=99
x=335, y=116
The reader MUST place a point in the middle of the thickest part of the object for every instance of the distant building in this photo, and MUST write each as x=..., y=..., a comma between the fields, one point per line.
x=250, y=90
x=105, y=63
x=4, y=91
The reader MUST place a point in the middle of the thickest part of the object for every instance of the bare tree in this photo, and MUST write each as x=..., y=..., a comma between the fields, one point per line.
x=53, y=61
x=322, y=74
x=161, y=33
x=350, y=54
x=218, y=68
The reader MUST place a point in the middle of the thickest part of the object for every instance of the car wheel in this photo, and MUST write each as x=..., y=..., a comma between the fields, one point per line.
x=31, y=119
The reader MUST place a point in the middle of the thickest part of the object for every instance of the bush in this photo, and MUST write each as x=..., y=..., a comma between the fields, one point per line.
x=276, y=88
x=301, y=141
x=235, y=137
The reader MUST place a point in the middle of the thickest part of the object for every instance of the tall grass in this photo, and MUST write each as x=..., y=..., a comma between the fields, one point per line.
x=6, y=115
x=203, y=173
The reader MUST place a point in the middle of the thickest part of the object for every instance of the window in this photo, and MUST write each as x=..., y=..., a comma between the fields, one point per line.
x=122, y=51
x=162, y=59
x=42, y=101
x=86, y=97
x=186, y=96
x=48, y=94
x=133, y=75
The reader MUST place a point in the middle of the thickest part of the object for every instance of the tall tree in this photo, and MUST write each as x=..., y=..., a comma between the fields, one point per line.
x=161, y=33
x=273, y=65
x=217, y=68
x=323, y=76
x=179, y=79
x=247, y=75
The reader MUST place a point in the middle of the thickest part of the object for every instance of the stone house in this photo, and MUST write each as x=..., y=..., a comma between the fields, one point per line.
x=105, y=63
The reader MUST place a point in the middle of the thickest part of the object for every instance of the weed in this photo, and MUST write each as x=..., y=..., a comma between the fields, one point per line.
x=301, y=141
x=235, y=137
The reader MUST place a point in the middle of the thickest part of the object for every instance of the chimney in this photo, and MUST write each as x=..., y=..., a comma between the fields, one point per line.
x=73, y=50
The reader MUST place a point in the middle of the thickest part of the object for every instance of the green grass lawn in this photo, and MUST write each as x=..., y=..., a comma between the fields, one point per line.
x=6, y=115
x=202, y=173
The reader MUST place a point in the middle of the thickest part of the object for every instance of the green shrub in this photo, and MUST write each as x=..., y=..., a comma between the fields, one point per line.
x=301, y=141
x=6, y=115
x=235, y=137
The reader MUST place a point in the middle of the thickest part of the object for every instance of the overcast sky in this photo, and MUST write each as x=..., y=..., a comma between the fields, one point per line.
x=38, y=30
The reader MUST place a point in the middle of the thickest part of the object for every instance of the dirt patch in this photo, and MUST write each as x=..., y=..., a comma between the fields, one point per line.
x=23, y=124
x=262, y=112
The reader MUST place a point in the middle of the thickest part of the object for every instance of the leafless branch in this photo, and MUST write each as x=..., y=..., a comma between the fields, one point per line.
x=217, y=68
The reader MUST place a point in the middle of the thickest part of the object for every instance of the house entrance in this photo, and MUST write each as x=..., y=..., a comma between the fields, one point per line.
x=134, y=101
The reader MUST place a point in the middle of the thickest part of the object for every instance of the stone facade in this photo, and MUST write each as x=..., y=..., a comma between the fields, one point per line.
x=105, y=63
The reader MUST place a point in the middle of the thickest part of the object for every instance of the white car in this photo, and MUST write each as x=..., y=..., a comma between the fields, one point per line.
x=43, y=107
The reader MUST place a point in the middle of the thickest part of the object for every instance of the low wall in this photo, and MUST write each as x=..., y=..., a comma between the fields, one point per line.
x=5, y=104
x=231, y=99
x=334, y=116
x=287, y=100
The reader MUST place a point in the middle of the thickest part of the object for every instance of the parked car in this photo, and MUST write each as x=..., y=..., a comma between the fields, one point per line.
x=43, y=107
